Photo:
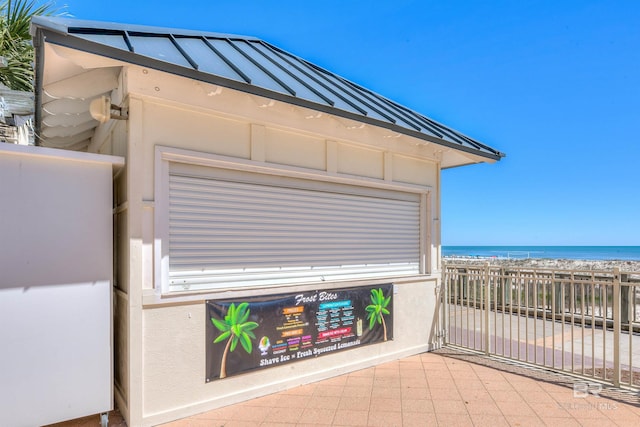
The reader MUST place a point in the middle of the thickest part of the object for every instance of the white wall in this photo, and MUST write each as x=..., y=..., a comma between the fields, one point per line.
x=175, y=350
x=55, y=286
x=167, y=332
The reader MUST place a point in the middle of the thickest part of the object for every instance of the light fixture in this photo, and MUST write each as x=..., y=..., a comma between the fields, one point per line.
x=101, y=110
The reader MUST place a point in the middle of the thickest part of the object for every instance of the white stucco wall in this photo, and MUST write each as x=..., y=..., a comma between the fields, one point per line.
x=174, y=346
x=166, y=333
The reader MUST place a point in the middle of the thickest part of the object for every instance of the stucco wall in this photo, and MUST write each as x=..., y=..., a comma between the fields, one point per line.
x=167, y=332
x=174, y=346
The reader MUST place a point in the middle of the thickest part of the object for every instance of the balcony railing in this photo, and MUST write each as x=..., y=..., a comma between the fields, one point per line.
x=581, y=322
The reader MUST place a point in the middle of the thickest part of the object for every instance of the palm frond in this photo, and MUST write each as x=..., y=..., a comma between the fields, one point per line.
x=15, y=41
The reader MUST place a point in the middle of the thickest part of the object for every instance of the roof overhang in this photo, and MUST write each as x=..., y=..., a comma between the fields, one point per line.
x=64, y=89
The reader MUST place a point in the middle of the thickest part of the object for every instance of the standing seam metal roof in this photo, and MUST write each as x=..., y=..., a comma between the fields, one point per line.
x=254, y=66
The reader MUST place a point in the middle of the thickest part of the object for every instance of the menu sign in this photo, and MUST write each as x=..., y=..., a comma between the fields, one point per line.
x=259, y=332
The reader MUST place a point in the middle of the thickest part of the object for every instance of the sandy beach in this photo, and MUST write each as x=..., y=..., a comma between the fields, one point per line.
x=564, y=264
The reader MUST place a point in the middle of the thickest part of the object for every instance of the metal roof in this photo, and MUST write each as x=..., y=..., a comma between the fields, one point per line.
x=250, y=65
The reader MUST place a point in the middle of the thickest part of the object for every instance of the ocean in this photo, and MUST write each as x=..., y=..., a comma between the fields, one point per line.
x=623, y=253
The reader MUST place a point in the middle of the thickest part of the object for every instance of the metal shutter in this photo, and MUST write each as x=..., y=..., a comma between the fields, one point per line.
x=229, y=234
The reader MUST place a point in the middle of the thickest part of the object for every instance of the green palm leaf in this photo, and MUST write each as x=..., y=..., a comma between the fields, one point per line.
x=15, y=41
x=372, y=321
x=234, y=342
x=245, y=340
x=387, y=301
x=242, y=314
x=377, y=309
x=221, y=326
x=223, y=336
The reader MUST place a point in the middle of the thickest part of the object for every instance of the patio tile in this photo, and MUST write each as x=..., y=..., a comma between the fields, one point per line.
x=470, y=384
x=449, y=407
x=481, y=420
x=414, y=382
x=318, y=416
x=283, y=415
x=416, y=419
x=524, y=421
x=438, y=374
x=425, y=390
x=453, y=420
x=480, y=396
x=560, y=422
x=328, y=390
x=423, y=406
x=439, y=382
x=359, y=381
x=459, y=366
x=387, y=405
x=506, y=396
x=275, y=424
x=410, y=365
x=229, y=423
x=411, y=373
x=384, y=419
x=415, y=393
x=387, y=371
x=499, y=385
x=253, y=414
x=382, y=382
x=520, y=382
x=354, y=403
x=324, y=402
x=516, y=408
x=625, y=415
x=387, y=374
x=549, y=409
x=449, y=393
x=291, y=401
x=357, y=391
x=537, y=396
x=483, y=408
x=386, y=392
x=349, y=417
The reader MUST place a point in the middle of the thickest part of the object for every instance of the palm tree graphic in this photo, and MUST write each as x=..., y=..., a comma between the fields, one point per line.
x=236, y=329
x=377, y=309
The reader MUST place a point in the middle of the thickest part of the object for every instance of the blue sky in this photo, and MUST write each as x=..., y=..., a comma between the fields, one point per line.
x=553, y=84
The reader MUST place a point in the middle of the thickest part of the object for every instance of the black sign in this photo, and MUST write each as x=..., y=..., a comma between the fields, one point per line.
x=260, y=332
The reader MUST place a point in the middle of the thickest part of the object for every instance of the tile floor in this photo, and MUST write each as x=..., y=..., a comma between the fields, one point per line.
x=443, y=388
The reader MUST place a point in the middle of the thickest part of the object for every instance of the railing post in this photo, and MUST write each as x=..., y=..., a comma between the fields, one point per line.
x=444, y=328
x=487, y=305
x=624, y=301
x=617, y=289
x=557, y=289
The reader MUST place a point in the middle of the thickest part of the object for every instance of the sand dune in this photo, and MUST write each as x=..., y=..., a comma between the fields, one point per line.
x=565, y=264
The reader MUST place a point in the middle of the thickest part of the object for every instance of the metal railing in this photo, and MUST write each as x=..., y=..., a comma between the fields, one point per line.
x=581, y=322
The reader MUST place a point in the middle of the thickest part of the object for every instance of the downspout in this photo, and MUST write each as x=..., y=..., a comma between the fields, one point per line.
x=38, y=46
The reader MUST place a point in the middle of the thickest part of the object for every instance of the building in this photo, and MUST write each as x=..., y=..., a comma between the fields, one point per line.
x=250, y=176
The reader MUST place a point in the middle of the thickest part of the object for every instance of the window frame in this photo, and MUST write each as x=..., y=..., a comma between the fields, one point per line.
x=220, y=166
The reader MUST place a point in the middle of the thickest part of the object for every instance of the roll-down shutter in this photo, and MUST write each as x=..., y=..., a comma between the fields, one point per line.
x=224, y=233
